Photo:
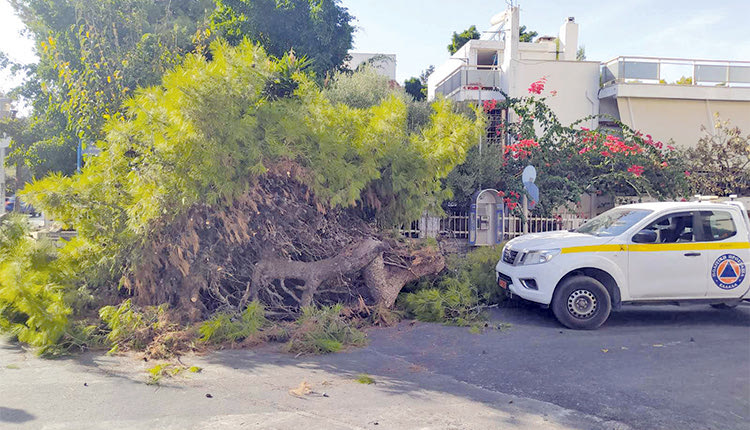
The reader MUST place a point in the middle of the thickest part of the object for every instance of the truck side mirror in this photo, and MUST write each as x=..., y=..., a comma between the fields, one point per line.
x=645, y=236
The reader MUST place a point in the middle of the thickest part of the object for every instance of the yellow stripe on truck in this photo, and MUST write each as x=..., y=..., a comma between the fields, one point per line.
x=594, y=248
x=654, y=247
x=700, y=246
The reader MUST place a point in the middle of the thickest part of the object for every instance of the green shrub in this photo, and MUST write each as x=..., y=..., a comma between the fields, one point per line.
x=461, y=294
x=323, y=330
x=479, y=268
x=226, y=327
x=130, y=327
x=79, y=336
x=32, y=300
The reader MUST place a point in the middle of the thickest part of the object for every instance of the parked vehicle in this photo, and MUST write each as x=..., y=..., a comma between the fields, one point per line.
x=652, y=253
x=13, y=204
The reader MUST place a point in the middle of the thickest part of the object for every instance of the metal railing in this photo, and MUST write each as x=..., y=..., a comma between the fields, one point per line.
x=470, y=78
x=658, y=70
x=514, y=225
x=456, y=226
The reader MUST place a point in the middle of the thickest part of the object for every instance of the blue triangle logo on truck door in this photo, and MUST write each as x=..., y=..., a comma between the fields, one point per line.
x=728, y=272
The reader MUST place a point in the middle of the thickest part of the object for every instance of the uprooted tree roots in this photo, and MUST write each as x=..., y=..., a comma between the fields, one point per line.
x=275, y=243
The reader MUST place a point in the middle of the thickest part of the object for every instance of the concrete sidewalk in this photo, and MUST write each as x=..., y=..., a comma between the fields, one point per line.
x=250, y=389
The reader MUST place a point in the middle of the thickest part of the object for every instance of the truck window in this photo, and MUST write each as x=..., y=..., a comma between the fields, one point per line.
x=673, y=228
x=717, y=225
x=613, y=222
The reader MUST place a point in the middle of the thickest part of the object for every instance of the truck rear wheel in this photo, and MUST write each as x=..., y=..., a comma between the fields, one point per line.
x=581, y=303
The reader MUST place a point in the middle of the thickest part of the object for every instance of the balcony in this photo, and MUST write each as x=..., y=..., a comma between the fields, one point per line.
x=470, y=78
x=650, y=70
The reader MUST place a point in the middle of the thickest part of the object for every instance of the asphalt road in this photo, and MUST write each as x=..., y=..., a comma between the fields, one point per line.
x=660, y=367
x=646, y=368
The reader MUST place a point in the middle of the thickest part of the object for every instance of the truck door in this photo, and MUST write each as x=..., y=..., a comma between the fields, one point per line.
x=728, y=253
x=674, y=265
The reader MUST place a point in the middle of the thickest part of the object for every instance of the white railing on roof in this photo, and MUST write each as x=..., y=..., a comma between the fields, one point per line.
x=658, y=70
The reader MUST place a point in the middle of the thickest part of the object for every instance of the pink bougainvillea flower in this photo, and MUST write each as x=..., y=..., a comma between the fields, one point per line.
x=636, y=170
x=687, y=173
x=537, y=87
x=664, y=164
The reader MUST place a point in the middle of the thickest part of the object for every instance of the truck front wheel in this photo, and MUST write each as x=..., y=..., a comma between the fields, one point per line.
x=581, y=303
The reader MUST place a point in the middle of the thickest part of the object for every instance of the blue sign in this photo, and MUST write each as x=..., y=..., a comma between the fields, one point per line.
x=728, y=271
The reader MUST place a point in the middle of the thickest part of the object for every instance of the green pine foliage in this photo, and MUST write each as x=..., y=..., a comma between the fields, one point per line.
x=32, y=296
x=226, y=327
x=130, y=327
x=202, y=137
x=460, y=296
x=212, y=126
x=323, y=330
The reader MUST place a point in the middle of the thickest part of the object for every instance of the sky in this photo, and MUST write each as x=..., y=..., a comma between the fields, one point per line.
x=418, y=31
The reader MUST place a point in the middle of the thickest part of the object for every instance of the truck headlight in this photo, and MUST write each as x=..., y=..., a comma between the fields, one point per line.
x=540, y=256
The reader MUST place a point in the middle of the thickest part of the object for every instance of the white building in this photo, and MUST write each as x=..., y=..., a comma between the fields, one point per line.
x=385, y=64
x=630, y=89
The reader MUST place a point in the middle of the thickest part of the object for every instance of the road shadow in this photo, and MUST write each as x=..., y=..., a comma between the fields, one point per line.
x=17, y=416
x=523, y=313
x=692, y=315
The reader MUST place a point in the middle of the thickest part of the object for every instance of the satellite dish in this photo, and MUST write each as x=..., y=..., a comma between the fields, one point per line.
x=528, y=177
x=533, y=191
x=529, y=174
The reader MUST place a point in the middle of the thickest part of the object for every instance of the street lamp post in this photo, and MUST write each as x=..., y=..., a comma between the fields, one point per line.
x=4, y=143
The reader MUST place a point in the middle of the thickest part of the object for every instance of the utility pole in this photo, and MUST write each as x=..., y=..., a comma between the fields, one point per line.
x=4, y=143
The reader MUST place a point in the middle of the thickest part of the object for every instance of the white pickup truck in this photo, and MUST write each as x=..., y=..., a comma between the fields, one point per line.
x=641, y=253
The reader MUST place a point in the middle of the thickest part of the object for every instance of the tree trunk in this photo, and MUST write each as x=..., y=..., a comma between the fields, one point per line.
x=314, y=273
x=385, y=279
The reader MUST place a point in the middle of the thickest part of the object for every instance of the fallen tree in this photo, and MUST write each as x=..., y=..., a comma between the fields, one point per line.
x=238, y=179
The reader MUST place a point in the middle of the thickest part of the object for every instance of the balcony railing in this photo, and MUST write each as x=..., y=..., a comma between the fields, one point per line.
x=470, y=77
x=663, y=70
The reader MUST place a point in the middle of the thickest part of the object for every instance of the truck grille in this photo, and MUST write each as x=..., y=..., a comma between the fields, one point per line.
x=509, y=256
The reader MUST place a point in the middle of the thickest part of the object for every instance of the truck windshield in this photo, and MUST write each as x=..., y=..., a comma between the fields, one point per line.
x=613, y=222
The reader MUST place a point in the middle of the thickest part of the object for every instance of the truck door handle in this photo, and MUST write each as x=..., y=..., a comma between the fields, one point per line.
x=692, y=254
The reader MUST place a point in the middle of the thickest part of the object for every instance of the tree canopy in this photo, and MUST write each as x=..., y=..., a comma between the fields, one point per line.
x=92, y=55
x=459, y=39
x=526, y=36
x=720, y=163
x=320, y=30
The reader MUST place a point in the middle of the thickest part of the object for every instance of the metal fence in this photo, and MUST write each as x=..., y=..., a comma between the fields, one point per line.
x=514, y=226
x=456, y=225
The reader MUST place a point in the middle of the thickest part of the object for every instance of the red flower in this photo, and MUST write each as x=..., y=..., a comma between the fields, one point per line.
x=501, y=193
x=636, y=170
x=606, y=153
x=538, y=86
x=687, y=173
